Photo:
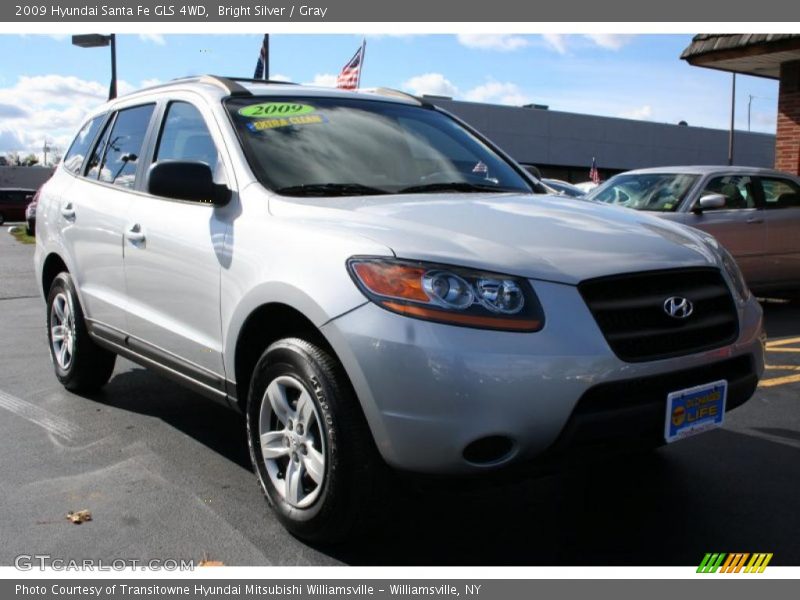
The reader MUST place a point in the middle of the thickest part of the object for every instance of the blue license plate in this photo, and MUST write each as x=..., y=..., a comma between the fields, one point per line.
x=695, y=410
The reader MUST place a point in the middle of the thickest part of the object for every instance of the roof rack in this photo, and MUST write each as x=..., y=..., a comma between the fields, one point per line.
x=249, y=80
x=392, y=93
x=229, y=84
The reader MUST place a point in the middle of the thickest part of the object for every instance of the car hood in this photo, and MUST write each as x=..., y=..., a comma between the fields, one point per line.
x=534, y=236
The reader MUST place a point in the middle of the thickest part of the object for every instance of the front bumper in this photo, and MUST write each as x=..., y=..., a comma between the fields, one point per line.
x=429, y=390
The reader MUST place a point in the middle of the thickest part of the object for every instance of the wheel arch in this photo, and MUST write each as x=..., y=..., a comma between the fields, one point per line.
x=52, y=265
x=264, y=324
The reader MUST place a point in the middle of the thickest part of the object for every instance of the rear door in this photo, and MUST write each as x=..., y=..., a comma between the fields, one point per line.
x=782, y=214
x=740, y=225
x=174, y=252
x=92, y=210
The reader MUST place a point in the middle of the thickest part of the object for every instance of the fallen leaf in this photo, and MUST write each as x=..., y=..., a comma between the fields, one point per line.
x=78, y=517
x=211, y=563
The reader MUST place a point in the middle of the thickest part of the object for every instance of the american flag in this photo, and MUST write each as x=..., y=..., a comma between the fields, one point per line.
x=594, y=175
x=350, y=77
x=262, y=66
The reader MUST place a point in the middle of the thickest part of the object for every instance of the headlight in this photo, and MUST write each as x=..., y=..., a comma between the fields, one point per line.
x=446, y=294
x=734, y=274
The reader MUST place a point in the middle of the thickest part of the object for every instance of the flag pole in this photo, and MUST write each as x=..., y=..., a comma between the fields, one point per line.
x=266, y=57
x=363, y=55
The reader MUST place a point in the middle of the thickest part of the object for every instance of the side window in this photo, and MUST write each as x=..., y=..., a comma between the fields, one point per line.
x=93, y=166
x=185, y=136
x=780, y=193
x=123, y=145
x=80, y=146
x=737, y=189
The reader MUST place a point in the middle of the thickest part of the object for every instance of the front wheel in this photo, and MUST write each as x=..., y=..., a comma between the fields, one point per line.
x=80, y=364
x=310, y=445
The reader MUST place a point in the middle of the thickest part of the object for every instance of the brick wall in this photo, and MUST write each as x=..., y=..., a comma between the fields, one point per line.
x=787, y=141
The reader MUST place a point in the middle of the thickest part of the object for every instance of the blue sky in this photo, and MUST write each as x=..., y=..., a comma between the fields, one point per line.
x=47, y=85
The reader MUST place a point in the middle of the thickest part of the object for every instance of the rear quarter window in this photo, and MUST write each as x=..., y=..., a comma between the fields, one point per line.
x=76, y=154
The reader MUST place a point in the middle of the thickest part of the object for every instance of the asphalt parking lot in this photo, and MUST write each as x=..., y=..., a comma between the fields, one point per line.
x=165, y=474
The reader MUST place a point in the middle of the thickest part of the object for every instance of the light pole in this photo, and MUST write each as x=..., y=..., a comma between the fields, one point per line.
x=96, y=40
x=733, y=114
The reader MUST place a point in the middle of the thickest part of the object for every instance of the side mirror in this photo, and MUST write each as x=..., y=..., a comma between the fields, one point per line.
x=710, y=201
x=186, y=180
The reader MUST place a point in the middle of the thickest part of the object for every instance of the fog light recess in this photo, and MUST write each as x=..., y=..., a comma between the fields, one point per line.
x=489, y=450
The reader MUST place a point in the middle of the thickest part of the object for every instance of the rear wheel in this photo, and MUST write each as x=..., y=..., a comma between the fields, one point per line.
x=80, y=364
x=310, y=445
x=2, y=219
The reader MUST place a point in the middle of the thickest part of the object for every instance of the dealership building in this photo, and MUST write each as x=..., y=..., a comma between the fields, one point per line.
x=770, y=55
x=563, y=144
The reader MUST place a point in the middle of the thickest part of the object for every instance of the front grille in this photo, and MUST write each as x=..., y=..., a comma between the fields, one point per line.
x=630, y=312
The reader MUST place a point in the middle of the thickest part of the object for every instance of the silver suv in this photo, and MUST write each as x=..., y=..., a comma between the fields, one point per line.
x=375, y=287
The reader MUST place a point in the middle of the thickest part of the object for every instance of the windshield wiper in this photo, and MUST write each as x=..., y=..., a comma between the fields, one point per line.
x=456, y=186
x=330, y=189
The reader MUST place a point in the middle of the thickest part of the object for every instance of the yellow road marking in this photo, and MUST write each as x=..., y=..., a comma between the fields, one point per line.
x=782, y=349
x=779, y=381
x=784, y=367
x=783, y=342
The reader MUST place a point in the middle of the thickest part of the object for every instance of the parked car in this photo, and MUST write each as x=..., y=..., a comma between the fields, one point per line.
x=375, y=287
x=754, y=213
x=30, y=215
x=13, y=202
x=586, y=186
x=564, y=188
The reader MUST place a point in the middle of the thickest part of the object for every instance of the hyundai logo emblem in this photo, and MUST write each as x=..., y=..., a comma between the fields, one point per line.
x=678, y=307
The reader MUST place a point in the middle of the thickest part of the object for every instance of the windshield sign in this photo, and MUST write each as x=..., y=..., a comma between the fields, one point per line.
x=347, y=146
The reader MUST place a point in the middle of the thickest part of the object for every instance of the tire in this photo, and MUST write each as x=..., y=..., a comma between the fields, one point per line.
x=338, y=475
x=2, y=219
x=80, y=364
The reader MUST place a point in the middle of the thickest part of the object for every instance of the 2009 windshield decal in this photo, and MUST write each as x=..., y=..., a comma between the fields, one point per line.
x=276, y=109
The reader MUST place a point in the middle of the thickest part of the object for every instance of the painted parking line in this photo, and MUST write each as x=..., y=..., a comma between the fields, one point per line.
x=782, y=342
x=780, y=345
x=784, y=345
x=39, y=416
x=773, y=381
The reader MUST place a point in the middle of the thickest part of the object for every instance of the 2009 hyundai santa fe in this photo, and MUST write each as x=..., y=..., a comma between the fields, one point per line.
x=372, y=283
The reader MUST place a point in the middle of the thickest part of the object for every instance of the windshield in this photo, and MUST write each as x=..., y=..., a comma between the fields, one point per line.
x=661, y=192
x=343, y=146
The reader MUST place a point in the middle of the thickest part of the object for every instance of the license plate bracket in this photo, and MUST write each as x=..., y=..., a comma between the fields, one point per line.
x=694, y=410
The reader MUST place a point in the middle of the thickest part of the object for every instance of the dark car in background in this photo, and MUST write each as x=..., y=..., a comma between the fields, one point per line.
x=13, y=202
x=564, y=188
x=30, y=215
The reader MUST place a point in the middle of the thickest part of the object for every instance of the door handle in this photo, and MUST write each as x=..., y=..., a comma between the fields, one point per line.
x=68, y=211
x=135, y=234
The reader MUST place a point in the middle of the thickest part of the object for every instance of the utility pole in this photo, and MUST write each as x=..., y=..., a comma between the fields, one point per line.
x=733, y=114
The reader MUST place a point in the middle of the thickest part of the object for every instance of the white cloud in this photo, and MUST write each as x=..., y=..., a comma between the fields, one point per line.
x=280, y=77
x=501, y=43
x=48, y=107
x=431, y=83
x=641, y=113
x=556, y=41
x=499, y=93
x=150, y=82
x=323, y=80
x=155, y=38
x=609, y=41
